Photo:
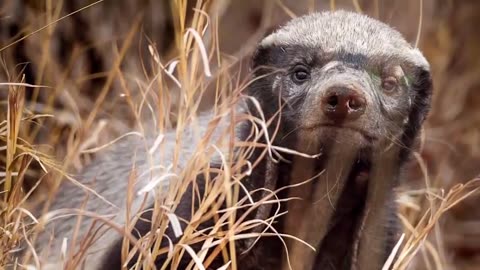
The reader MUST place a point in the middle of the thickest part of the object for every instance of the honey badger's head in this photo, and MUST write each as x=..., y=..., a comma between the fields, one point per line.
x=345, y=74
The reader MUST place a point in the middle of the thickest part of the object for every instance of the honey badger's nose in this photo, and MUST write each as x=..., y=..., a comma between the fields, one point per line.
x=343, y=103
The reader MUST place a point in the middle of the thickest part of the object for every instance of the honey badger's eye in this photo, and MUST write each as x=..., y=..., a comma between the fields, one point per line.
x=300, y=74
x=389, y=84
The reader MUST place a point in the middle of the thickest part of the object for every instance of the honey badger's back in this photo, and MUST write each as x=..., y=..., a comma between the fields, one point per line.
x=107, y=180
x=335, y=50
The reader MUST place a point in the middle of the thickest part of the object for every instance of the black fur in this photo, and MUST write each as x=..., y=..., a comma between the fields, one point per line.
x=422, y=87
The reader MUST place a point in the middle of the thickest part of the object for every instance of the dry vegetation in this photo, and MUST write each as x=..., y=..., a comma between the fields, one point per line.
x=59, y=110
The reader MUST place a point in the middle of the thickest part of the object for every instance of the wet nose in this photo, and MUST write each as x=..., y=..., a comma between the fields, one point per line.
x=343, y=103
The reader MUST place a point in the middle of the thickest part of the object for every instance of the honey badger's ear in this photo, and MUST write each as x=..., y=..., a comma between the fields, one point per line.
x=422, y=89
x=259, y=58
x=261, y=54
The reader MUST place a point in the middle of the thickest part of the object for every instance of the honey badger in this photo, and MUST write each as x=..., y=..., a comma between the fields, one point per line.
x=352, y=94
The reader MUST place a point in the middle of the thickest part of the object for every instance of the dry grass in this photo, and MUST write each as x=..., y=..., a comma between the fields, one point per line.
x=167, y=88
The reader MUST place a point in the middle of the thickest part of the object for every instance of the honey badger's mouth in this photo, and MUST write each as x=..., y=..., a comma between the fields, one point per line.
x=368, y=136
x=338, y=249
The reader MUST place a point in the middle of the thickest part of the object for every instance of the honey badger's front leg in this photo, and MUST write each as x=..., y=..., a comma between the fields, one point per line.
x=346, y=212
x=376, y=236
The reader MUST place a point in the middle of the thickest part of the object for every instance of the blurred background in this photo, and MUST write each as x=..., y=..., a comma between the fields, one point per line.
x=89, y=53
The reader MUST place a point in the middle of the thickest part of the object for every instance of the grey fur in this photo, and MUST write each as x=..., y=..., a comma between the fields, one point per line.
x=108, y=176
x=326, y=32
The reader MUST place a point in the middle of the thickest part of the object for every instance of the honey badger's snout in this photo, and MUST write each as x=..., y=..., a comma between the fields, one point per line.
x=342, y=103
